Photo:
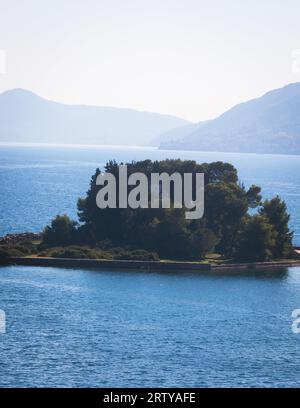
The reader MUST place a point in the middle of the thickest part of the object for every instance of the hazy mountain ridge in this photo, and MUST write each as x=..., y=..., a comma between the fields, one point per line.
x=269, y=124
x=26, y=117
x=178, y=133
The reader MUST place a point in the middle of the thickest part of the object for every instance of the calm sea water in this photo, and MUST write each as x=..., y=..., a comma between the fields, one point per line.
x=90, y=328
x=67, y=327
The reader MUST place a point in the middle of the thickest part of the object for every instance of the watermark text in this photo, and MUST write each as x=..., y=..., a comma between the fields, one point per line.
x=2, y=322
x=160, y=190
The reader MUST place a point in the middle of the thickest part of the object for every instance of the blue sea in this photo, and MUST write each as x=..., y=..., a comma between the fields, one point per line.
x=88, y=328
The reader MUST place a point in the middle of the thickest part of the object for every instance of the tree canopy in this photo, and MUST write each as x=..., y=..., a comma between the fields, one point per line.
x=226, y=227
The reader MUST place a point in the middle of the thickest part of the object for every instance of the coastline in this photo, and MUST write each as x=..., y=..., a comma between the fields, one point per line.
x=147, y=265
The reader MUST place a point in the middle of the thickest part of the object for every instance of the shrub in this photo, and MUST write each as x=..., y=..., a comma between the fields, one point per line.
x=22, y=249
x=70, y=253
x=75, y=251
x=62, y=232
x=137, y=255
x=15, y=250
x=83, y=252
x=98, y=254
x=28, y=247
x=10, y=252
x=104, y=244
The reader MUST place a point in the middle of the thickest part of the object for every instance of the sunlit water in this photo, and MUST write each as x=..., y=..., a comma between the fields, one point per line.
x=101, y=328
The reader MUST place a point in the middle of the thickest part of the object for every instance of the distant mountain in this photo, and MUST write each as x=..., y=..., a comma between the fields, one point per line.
x=269, y=124
x=26, y=117
x=178, y=133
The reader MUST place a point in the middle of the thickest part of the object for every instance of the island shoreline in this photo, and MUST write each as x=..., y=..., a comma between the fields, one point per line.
x=147, y=265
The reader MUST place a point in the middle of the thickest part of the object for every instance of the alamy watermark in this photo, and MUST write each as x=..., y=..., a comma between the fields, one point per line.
x=187, y=191
x=296, y=321
x=3, y=63
x=2, y=322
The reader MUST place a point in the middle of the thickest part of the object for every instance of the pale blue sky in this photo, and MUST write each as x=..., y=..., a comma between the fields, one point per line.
x=191, y=58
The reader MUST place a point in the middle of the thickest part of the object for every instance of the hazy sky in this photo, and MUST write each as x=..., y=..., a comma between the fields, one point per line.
x=191, y=58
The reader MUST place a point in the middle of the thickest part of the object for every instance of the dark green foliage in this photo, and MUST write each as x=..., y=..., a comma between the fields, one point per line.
x=136, y=255
x=23, y=249
x=75, y=251
x=276, y=213
x=167, y=232
x=70, y=253
x=164, y=231
x=61, y=232
x=84, y=252
x=202, y=241
x=256, y=240
x=4, y=256
x=226, y=226
x=18, y=250
x=225, y=206
x=10, y=252
x=27, y=247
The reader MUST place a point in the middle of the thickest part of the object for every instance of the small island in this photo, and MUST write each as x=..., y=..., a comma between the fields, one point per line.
x=237, y=226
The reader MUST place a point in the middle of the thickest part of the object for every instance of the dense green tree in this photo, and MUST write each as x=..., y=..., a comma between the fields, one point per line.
x=225, y=206
x=276, y=212
x=62, y=231
x=99, y=224
x=226, y=226
x=220, y=172
x=256, y=240
x=166, y=231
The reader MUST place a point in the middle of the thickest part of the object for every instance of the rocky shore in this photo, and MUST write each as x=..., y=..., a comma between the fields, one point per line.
x=12, y=239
